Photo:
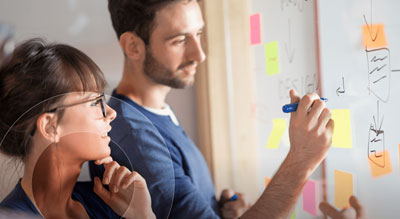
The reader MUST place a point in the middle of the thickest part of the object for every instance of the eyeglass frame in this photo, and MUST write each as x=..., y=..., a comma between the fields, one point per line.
x=102, y=104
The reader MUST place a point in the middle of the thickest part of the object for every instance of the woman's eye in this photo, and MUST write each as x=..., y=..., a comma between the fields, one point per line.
x=95, y=103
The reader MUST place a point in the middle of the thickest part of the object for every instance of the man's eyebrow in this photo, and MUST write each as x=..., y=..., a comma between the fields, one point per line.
x=182, y=34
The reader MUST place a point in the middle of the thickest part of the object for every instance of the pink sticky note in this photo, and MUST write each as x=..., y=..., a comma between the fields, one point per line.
x=255, y=29
x=309, y=198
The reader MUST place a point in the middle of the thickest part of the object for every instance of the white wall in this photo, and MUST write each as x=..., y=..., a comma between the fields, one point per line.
x=86, y=25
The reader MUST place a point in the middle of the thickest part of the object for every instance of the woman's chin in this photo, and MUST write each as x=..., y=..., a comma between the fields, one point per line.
x=105, y=152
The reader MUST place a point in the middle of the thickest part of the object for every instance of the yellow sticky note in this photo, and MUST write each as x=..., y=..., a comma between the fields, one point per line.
x=293, y=216
x=342, y=133
x=267, y=181
x=380, y=170
x=279, y=127
x=374, y=36
x=272, y=58
x=343, y=188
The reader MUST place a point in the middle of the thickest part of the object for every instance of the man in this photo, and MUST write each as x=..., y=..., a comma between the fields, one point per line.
x=161, y=43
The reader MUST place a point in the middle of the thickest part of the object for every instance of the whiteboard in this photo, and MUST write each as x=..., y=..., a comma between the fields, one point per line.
x=364, y=80
x=292, y=25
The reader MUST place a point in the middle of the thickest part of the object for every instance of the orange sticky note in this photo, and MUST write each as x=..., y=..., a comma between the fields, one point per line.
x=374, y=36
x=343, y=188
x=399, y=150
x=267, y=181
x=380, y=170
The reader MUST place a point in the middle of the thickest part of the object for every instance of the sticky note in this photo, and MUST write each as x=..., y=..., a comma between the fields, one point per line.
x=309, y=203
x=272, y=58
x=279, y=127
x=380, y=170
x=267, y=181
x=255, y=29
x=374, y=36
x=342, y=132
x=293, y=216
x=343, y=188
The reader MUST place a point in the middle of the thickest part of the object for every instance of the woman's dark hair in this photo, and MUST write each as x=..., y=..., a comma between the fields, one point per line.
x=136, y=15
x=32, y=81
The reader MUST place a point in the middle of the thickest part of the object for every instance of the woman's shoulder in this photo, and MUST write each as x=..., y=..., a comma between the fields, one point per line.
x=17, y=200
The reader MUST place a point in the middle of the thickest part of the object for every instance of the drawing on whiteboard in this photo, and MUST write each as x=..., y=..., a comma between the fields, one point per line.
x=379, y=73
x=303, y=85
x=295, y=3
x=376, y=140
x=370, y=30
x=341, y=89
x=290, y=50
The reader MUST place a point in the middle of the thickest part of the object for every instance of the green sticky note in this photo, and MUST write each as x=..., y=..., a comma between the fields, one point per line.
x=278, y=128
x=341, y=137
x=293, y=216
x=272, y=58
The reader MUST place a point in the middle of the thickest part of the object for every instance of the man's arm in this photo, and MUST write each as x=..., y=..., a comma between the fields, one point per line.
x=310, y=133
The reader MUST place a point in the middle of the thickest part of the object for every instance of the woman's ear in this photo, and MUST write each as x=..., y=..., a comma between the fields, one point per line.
x=47, y=127
x=132, y=45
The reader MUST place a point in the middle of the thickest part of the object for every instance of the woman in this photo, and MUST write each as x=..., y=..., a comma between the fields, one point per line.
x=53, y=116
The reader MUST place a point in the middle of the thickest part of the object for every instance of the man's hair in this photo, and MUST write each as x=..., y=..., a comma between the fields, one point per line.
x=136, y=15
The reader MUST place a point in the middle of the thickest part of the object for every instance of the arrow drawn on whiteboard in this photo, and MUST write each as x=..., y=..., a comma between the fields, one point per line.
x=370, y=29
x=376, y=140
x=339, y=91
x=289, y=50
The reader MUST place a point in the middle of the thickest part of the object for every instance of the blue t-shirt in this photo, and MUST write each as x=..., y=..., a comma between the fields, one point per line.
x=17, y=200
x=176, y=173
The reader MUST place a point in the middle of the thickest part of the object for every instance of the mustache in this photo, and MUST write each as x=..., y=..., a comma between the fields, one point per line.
x=187, y=64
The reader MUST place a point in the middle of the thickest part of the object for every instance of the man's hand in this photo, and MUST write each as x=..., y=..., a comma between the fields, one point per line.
x=310, y=131
x=355, y=212
x=232, y=209
x=128, y=195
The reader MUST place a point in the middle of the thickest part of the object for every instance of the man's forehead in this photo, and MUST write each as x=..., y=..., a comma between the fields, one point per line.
x=182, y=16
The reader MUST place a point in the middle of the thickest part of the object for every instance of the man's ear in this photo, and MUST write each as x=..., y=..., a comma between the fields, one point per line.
x=47, y=127
x=132, y=45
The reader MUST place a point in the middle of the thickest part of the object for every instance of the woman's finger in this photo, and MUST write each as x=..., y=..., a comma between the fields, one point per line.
x=117, y=177
x=102, y=192
x=109, y=171
x=104, y=160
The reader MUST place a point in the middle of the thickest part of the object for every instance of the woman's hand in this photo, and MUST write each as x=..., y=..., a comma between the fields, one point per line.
x=128, y=195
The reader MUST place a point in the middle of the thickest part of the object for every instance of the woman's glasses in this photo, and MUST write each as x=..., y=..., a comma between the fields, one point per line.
x=98, y=100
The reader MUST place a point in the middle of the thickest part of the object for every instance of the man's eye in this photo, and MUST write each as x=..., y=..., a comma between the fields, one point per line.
x=180, y=41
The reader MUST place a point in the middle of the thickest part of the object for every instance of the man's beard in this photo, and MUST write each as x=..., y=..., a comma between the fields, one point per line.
x=158, y=73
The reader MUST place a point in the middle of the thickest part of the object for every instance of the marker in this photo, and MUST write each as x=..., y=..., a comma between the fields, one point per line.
x=288, y=108
x=233, y=198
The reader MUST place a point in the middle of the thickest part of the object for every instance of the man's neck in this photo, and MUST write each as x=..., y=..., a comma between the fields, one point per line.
x=141, y=89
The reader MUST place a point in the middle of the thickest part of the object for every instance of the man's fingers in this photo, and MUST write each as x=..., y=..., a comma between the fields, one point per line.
x=294, y=97
x=306, y=102
x=324, y=118
x=227, y=193
x=357, y=206
x=316, y=110
x=327, y=209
